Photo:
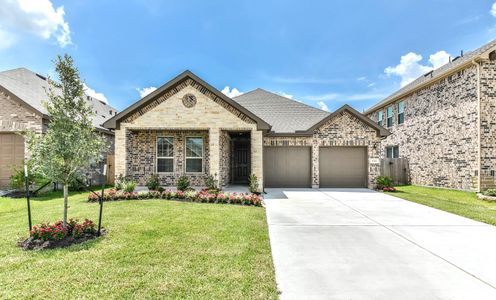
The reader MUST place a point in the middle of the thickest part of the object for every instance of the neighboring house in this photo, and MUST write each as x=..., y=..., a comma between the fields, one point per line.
x=187, y=127
x=21, y=95
x=444, y=123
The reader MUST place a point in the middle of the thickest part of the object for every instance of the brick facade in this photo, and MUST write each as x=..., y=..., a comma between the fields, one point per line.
x=16, y=117
x=343, y=129
x=142, y=156
x=441, y=136
x=488, y=124
x=212, y=116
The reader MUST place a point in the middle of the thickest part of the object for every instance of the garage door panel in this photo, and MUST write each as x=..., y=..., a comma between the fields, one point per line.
x=287, y=166
x=11, y=154
x=343, y=166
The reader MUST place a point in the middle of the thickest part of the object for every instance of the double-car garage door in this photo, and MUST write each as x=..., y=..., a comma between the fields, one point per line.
x=11, y=154
x=338, y=167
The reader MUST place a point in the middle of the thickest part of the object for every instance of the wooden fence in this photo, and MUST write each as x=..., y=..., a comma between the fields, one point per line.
x=110, y=169
x=397, y=169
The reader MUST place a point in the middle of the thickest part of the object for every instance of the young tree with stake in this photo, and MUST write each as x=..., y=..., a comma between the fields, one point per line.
x=70, y=144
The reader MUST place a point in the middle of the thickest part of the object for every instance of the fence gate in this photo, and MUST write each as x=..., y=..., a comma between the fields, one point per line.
x=397, y=169
x=110, y=169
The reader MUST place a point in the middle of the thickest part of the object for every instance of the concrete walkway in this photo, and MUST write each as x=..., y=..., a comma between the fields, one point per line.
x=360, y=244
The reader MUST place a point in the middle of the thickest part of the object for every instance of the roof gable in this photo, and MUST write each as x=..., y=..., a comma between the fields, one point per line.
x=381, y=131
x=170, y=88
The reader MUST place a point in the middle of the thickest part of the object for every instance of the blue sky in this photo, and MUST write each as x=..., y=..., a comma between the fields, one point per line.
x=324, y=53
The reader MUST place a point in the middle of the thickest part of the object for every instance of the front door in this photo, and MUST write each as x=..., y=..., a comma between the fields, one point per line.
x=240, y=161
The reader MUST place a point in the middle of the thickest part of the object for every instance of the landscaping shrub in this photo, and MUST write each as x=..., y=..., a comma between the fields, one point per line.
x=203, y=196
x=389, y=189
x=211, y=183
x=119, y=182
x=129, y=186
x=17, y=179
x=253, y=183
x=383, y=182
x=183, y=183
x=490, y=192
x=57, y=231
x=153, y=182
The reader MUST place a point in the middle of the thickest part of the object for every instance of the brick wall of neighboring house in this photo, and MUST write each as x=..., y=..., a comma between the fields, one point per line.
x=488, y=124
x=439, y=136
x=16, y=117
x=142, y=154
x=342, y=130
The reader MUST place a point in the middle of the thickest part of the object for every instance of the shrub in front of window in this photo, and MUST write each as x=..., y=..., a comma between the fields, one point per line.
x=153, y=182
x=183, y=183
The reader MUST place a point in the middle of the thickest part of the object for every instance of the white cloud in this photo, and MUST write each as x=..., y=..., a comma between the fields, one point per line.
x=145, y=91
x=92, y=93
x=37, y=17
x=493, y=9
x=362, y=78
x=329, y=96
x=285, y=95
x=439, y=58
x=231, y=93
x=323, y=106
x=410, y=67
x=371, y=84
x=6, y=39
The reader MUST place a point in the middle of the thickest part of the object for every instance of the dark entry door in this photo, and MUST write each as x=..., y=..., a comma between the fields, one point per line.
x=240, y=161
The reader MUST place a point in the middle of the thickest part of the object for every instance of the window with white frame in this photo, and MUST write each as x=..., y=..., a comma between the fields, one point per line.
x=392, y=152
x=165, y=154
x=389, y=116
x=194, y=154
x=401, y=112
x=380, y=117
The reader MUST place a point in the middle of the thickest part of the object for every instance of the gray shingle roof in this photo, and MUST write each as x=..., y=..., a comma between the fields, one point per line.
x=283, y=114
x=30, y=87
x=457, y=62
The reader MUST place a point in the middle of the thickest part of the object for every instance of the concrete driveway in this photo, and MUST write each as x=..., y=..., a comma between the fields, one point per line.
x=360, y=244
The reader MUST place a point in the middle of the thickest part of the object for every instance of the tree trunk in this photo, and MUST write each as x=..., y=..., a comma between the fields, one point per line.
x=66, y=196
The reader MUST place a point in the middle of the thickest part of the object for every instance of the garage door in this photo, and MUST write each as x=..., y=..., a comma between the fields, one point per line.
x=11, y=154
x=287, y=166
x=343, y=166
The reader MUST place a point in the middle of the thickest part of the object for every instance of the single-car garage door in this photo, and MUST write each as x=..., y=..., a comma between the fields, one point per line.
x=287, y=166
x=343, y=166
x=11, y=154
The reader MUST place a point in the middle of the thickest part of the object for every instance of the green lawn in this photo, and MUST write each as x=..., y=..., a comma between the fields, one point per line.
x=458, y=202
x=154, y=249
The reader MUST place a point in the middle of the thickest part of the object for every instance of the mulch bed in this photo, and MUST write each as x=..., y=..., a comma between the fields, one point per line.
x=38, y=244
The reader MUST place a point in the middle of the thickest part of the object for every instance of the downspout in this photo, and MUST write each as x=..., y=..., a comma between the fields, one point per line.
x=479, y=171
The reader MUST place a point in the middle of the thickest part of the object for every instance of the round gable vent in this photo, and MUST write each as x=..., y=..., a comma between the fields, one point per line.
x=189, y=100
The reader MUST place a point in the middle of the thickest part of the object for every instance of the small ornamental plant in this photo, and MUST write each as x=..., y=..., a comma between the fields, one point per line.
x=390, y=189
x=183, y=183
x=56, y=235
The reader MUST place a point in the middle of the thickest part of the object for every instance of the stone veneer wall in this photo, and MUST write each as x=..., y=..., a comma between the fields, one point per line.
x=225, y=158
x=439, y=136
x=342, y=130
x=15, y=117
x=142, y=153
x=488, y=124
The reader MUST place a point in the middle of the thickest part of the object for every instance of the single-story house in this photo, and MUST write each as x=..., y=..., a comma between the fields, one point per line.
x=187, y=127
x=22, y=92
